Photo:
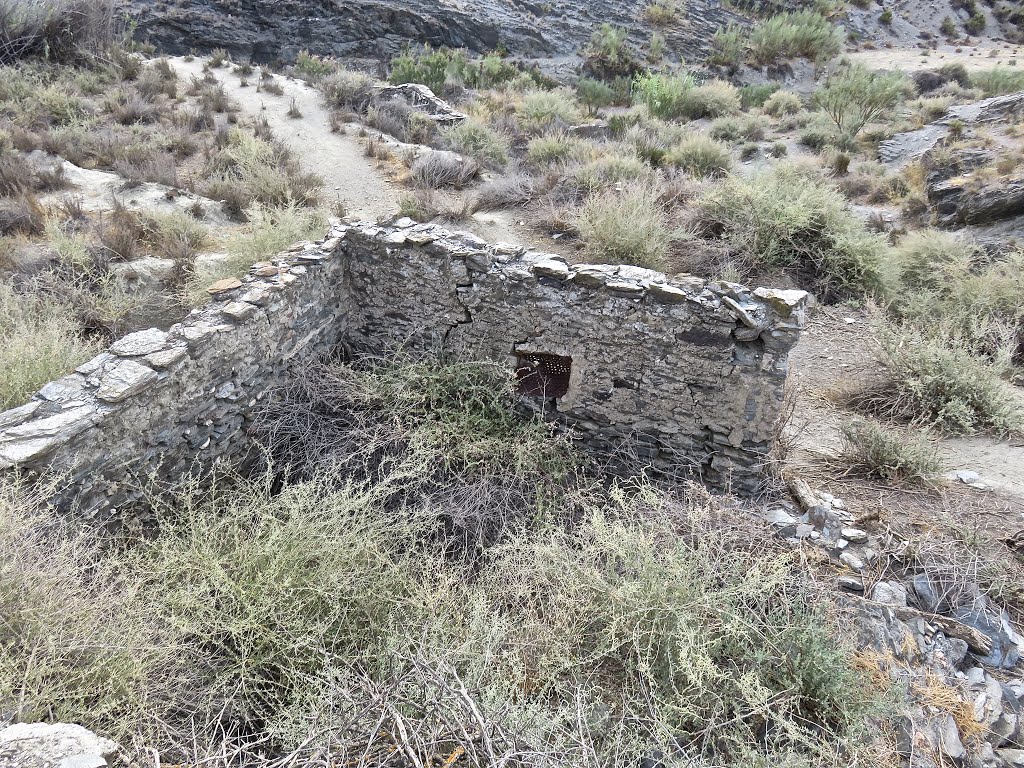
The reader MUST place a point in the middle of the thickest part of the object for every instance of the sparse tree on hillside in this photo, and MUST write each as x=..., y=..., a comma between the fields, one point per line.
x=854, y=96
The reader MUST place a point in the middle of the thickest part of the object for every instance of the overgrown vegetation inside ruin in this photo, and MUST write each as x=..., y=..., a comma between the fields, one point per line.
x=443, y=565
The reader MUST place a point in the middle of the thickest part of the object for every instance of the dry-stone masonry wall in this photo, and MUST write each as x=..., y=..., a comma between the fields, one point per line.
x=682, y=373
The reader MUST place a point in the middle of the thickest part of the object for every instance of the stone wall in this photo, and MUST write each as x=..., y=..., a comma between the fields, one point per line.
x=683, y=374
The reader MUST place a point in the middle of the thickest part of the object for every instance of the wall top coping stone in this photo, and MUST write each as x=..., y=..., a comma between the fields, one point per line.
x=140, y=361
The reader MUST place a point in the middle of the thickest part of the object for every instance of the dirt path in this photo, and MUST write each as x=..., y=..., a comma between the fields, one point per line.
x=347, y=172
x=339, y=158
x=837, y=355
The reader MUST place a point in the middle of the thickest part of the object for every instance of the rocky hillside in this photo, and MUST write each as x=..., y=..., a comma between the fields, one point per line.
x=265, y=30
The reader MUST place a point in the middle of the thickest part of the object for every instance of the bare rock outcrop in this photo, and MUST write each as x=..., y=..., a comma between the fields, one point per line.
x=959, y=203
x=268, y=30
x=903, y=148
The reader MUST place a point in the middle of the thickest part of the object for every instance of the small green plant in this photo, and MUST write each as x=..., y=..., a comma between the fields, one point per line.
x=803, y=33
x=218, y=58
x=948, y=27
x=885, y=17
x=998, y=81
x=661, y=12
x=479, y=141
x=554, y=148
x=594, y=94
x=268, y=231
x=728, y=46
x=347, y=90
x=782, y=103
x=40, y=340
x=541, y=111
x=607, y=171
x=699, y=156
x=625, y=227
x=712, y=99
x=873, y=450
x=663, y=95
x=935, y=379
x=778, y=149
x=656, y=47
x=975, y=25
x=609, y=54
x=752, y=96
x=313, y=67
x=840, y=163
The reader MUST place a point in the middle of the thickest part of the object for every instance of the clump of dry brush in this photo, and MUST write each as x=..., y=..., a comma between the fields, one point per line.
x=344, y=616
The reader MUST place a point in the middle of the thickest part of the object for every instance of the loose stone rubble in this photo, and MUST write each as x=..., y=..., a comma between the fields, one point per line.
x=938, y=642
x=685, y=375
x=56, y=745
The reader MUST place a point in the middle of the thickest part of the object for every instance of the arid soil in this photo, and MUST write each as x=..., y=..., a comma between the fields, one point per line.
x=838, y=355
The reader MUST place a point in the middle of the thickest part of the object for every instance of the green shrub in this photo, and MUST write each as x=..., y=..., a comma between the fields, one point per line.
x=930, y=259
x=885, y=17
x=803, y=33
x=975, y=25
x=429, y=67
x=555, y=148
x=609, y=55
x=818, y=135
x=778, y=149
x=649, y=145
x=606, y=171
x=789, y=216
x=59, y=31
x=949, y=27
x=347, y=90
x=625, y=227
x=675, y=96
x=312, y=66
x=75, y=644
x=252, y=170
x=594, y=94
x=40, y=340
x=873, y=450
x=782, y=103
x=749, y=127
x=728, y=46
x=663, y=95
x=998, y=81
x=712, y=99
x=540, y=111
x=661, y=12
x=699, y=156
x=854, y=95
x=935, y=378
x=752, y=96
x=938, y=280
x=480, y=142
x=268, y=231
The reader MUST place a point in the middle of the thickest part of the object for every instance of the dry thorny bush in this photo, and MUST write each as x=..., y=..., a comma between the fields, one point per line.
x=352, y=613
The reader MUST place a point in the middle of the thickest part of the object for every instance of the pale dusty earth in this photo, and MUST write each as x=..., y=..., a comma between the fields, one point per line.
x=985, y=55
